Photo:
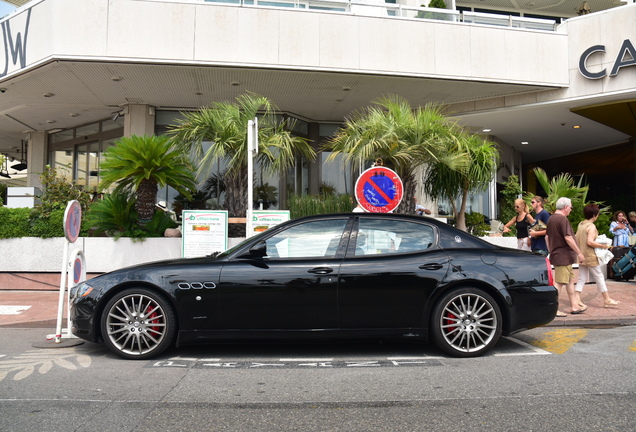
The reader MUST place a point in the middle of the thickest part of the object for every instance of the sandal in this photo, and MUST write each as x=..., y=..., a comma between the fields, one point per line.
x=560, y=314
x=611, y=302
x=578, y=311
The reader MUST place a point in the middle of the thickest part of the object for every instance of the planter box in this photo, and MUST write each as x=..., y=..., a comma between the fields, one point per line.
x=103, y=254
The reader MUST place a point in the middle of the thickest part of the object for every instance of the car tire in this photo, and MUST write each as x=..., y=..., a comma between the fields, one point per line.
x=466, y=322
x=138, y=323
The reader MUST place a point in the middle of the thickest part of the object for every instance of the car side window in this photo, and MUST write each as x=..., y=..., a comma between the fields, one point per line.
x=307, y=240
x=381, y=236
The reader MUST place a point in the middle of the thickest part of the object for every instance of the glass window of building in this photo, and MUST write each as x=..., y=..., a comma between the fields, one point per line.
x=76, y=153
x=336, y=175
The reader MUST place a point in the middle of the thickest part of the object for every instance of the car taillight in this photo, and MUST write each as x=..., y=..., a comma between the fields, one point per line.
x=549, y=267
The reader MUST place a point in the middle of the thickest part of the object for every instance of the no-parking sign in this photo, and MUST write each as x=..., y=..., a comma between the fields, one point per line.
x=77, y=268
x=379, y=190
x=72, y=221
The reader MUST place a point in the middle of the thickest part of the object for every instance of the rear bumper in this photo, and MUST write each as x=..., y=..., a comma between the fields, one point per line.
x=532, y=307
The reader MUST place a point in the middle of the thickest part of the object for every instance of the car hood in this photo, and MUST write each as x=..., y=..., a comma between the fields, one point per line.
x=151, y=272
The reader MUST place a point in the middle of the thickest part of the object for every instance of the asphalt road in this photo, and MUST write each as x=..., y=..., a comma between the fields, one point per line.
x=557, y=379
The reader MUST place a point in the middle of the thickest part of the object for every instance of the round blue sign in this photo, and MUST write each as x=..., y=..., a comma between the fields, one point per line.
x=379, y=190
x=72, y=221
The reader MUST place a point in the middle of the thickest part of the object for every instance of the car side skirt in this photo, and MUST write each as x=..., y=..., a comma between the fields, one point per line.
x=191, y=337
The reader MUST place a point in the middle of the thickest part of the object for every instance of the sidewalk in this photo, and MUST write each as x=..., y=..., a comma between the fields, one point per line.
x=38, y=308
x=596, y=314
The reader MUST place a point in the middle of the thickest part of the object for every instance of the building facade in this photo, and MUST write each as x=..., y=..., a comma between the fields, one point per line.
x=555, y=94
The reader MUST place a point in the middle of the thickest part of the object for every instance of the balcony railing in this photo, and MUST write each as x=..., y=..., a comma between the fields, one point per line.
x=382, y=9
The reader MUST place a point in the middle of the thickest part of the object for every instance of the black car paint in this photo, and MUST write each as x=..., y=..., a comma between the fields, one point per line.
x=223, y=297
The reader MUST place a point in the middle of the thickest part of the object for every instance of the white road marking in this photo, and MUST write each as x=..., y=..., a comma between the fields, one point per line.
x=309, y=359
x=535, y=350
x=12, y=310
x=415, y=358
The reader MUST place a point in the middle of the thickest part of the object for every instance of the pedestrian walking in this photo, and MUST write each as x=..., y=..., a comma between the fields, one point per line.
x=522, y=222
x=564, y=252
x=539, y=229
x=586, y=235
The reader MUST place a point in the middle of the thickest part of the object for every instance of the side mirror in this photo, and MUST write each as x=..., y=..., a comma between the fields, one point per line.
x=259, y=250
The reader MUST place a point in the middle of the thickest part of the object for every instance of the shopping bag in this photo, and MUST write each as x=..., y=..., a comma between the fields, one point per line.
x=604, y=256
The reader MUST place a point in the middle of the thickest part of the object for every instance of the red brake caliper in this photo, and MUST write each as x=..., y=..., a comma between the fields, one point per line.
x=449, y=319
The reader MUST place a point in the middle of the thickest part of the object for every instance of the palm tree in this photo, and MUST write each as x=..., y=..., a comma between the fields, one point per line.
x=443, y=182
x=559, y=186
x=224, y=126
x=562, y=185
x=402, y=137
x=141, y=164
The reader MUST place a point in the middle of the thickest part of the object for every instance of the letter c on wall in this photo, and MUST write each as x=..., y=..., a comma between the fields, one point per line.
x=583, y=60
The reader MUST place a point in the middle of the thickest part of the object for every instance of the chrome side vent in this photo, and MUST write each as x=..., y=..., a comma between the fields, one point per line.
x=197, y=285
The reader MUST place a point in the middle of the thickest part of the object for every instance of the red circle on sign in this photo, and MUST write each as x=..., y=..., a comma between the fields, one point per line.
x=72, y=221
x=77, y=270
x=379, y=190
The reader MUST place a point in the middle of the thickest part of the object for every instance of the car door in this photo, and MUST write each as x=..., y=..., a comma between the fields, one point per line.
x=294, y=286
x=392, y=267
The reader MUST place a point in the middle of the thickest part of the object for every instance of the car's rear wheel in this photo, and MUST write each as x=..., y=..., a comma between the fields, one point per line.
x=138, y=323
x=466, y=322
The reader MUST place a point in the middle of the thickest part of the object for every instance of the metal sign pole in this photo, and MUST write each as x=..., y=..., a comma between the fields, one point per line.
x=252, y=150
x=72, y=223
x=60, y=303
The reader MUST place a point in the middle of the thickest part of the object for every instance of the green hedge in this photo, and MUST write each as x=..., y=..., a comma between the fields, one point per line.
x=15, y=222
x=308, y=205
x=23, y=222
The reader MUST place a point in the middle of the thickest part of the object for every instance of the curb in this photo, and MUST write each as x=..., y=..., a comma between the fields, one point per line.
x=594, y=321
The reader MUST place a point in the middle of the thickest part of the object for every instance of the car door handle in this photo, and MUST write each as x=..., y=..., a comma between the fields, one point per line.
x=432, y=266
x=321, y=270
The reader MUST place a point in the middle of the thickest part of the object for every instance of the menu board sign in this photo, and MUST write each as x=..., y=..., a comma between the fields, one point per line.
x=262, y=220
x=203, y=232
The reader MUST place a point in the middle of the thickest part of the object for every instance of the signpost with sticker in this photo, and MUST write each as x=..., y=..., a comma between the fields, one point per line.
x=72, y=224
x=379, y=190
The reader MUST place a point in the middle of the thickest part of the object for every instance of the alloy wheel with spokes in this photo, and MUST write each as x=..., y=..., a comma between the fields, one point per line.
x=138, y=323
x=466, y=322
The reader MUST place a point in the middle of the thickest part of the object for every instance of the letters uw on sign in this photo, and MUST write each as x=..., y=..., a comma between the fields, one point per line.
x=626, y=57
x=14, y=45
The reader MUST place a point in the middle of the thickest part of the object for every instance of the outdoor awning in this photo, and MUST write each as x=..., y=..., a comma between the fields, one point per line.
x=17, y=3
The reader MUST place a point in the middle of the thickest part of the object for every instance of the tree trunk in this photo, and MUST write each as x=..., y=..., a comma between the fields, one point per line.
x=236, y=193
x=461, y=214
x=407, y=206
x=146, y=197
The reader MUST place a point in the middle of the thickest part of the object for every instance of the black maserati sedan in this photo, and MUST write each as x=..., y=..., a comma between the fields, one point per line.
x=353, y=275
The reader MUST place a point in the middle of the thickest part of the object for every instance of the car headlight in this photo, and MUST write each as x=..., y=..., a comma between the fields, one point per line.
x=81, y=290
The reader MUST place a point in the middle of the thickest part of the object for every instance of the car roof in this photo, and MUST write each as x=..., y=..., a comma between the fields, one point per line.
x=450, y=236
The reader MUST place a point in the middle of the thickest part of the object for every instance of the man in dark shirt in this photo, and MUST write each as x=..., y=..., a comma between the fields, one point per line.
x=537, y=236
x=564, y=252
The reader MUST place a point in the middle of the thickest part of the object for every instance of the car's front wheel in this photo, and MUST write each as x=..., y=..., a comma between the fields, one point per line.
x=466, y=322
x=138, y=323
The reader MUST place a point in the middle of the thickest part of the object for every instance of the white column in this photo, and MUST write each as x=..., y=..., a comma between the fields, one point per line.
x=37, y=149
x=139, y=120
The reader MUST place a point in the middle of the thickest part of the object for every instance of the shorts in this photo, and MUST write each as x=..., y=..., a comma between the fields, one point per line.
x=563, y=274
